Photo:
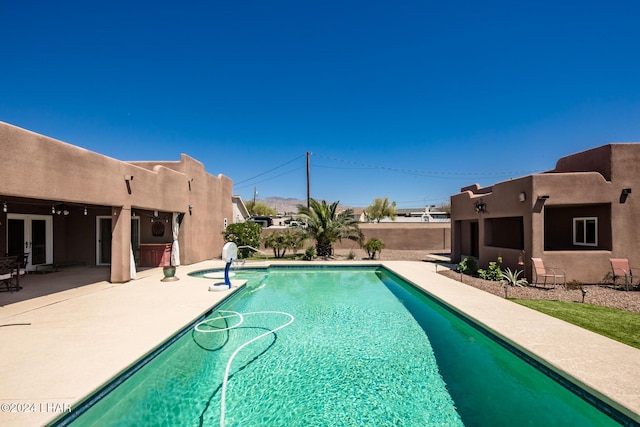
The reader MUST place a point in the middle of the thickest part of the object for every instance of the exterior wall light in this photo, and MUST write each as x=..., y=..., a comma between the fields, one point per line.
x=4, y=207
x=480, y=206
x=62, y=210
x=127, y=180
x=522, y=196
x=623, y=196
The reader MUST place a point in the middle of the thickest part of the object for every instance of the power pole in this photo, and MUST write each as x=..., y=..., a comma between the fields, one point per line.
x=308, y=185
x=255, y=192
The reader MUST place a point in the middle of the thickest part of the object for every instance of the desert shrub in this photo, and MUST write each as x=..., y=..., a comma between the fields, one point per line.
x=309, y=253
x=493, y=272
x=468, y=266
x=512, y=278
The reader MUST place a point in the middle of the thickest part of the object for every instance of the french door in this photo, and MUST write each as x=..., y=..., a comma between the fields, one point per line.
x=31, y=235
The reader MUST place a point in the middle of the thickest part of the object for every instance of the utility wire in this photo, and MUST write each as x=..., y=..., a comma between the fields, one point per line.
x=270, y=170
x=418, y=172
x=266, y=179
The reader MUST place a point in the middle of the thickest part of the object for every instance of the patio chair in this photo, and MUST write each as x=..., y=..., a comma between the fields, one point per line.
x=621, y=269
x=9, y=274
x=540, y=272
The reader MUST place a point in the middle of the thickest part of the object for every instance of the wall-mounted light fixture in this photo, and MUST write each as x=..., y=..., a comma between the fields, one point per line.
x=625, y=193
x=4, y=207
x=522, y=196
x=480, y=206
x=189, y=182
x=62, y=209
x=85, y=211
x=190, y=209
x=127, y=180
x=53, y=210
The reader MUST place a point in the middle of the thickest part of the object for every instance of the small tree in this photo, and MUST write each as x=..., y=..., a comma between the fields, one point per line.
x=381, y=208
x=260, y=209
x=243, y=234
x=373, y=246
x=281, y=241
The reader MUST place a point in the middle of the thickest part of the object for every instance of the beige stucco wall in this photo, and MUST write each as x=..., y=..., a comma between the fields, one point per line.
x=38, y=170
x=428, y=237
x=594, y=177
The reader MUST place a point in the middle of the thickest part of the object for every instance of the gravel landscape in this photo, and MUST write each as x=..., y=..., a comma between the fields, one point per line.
x=595, y=294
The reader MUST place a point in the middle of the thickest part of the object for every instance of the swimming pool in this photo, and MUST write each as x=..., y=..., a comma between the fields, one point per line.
x=350, y=346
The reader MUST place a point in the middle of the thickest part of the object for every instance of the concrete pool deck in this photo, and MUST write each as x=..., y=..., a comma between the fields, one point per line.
x=59, y=348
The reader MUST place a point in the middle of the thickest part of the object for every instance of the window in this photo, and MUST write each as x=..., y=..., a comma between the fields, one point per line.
x=585, y=231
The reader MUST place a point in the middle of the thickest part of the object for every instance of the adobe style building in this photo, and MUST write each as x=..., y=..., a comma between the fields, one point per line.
x=61, y=204
x=575, y=217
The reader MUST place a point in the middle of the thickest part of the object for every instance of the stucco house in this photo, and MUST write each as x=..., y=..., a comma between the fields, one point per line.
x=240, y=211
x=576, y=216
x=61, y=204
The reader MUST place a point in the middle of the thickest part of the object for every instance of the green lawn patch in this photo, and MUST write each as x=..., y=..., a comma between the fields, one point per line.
x=620, y=325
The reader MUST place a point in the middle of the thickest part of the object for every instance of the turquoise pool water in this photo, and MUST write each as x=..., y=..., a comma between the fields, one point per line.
x=337, y=347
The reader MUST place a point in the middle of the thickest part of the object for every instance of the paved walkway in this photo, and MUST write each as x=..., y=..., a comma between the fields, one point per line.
x=56, y=349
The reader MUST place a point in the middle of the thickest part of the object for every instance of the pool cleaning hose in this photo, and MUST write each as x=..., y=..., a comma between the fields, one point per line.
x=237, y=350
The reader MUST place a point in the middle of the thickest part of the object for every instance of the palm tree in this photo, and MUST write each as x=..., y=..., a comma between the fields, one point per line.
x=326, y=226
x=280, y=241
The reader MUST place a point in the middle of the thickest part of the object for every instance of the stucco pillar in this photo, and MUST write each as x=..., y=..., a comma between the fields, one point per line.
x=120, y=244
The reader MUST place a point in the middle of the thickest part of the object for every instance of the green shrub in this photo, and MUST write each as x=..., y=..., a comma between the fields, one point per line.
x=310, y=253
x=351, y=255
x=373, y=246
x=493, y=272
x=468, y=266
x=243, y=234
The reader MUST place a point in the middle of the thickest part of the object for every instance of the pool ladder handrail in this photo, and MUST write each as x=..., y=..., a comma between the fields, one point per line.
x=266, y=256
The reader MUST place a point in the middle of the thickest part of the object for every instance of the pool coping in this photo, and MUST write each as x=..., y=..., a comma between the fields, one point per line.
x=82, y=355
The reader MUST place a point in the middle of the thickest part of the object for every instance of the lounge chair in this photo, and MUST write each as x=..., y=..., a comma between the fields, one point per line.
x=621, y=269
x=9, y=274
x=542, y=272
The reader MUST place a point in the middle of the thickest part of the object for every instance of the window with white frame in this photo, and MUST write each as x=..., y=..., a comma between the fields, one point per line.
x=585, y=231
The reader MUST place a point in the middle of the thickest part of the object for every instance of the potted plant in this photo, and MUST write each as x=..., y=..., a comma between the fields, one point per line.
x=169, y=271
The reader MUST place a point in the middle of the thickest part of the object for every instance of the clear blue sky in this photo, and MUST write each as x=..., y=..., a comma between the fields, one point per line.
x=407, y=99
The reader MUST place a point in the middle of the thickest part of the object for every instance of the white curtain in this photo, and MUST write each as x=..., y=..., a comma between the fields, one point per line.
x=175, y=248
x=132, y=263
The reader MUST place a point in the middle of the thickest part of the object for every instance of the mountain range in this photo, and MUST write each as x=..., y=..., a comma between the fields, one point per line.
x=286, y=205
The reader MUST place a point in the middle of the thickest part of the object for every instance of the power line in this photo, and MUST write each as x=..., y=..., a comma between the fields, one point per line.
x=266, y=179
x=270, y=170
x=417, y=171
